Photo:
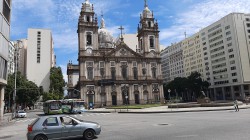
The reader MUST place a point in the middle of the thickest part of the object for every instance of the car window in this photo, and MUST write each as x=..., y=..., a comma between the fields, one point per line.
x=21, y=112
x=67, y=120
x=52, y=121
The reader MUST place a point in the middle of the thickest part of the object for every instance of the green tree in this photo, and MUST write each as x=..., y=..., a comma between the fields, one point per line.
x=56, y=83
x=27, y=92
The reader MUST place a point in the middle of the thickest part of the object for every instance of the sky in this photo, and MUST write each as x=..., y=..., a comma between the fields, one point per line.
x=61, y=16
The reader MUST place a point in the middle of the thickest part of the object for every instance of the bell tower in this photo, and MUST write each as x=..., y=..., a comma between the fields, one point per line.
x=87, y=28
x=148, y=33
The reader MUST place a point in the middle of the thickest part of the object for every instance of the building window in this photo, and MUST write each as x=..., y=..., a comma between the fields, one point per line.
x=228, y=33
x=124, y=70
x=229, y=38
x=230, y=50
x=234, y=74
x=90, y=74
x=3, y=68
x=232, y=62
x=229, y=44
x=151, y=42
x=248, y=24
x=113, y=73
x=135, y=71
x=227, y=27
x=231, y=56
x=89, y=38
x=6, y=11
x=233, y=68
x=235, y=80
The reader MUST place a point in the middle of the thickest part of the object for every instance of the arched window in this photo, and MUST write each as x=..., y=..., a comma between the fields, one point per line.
x=154, y=73
x=89, y=38
x=151, y=42
x=149, y=24
x=88, y=18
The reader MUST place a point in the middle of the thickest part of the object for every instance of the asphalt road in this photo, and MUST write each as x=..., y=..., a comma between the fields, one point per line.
x=218, y=125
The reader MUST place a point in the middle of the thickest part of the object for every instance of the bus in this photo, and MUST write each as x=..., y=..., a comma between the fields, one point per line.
x=52, y=107
x=73, y=106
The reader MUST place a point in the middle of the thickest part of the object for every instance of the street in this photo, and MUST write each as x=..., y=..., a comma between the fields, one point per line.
x=214, y=125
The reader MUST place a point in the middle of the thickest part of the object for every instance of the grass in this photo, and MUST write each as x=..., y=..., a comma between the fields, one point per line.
x=134, y=106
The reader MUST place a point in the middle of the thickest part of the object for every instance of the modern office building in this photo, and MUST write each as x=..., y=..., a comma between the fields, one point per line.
x=40, y=57
x=5, y=12
x=11, y=58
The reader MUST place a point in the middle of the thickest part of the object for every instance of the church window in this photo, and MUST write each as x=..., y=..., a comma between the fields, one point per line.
x=151, y=42
x=113, y=73
x=141, y=44
x=88, y=18
x=90, y=74
x=89, y=38
x=124, y=70
x=149, y=24
x=135, y=73
x=102, y=71
x=153, y=68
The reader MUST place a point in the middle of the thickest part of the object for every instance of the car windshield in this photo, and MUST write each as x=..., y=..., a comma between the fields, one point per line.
x=21, y=111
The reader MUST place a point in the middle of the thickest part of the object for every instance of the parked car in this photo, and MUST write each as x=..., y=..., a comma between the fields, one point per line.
x=62, y=127
x=21, y=114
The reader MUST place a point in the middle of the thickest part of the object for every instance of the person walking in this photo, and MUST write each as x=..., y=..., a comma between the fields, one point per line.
x=236, y=105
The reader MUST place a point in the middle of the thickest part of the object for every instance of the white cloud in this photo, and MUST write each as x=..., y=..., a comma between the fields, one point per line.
x=199, y=16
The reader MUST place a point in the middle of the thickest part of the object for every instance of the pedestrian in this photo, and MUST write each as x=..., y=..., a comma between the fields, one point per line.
x=236, y=105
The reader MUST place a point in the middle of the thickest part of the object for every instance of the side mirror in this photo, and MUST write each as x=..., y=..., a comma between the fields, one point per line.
x=74, y=122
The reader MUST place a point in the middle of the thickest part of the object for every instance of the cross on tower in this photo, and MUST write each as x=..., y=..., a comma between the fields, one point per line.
x=121, y=28
x=146, y=5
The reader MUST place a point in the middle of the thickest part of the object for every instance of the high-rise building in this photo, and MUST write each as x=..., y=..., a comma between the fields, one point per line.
x=5, y=12
x=11, y=58
x=220, y=52
x=165, y=65
x=40, y=57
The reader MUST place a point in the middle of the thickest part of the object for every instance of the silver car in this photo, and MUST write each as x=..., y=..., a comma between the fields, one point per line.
x=56, y=127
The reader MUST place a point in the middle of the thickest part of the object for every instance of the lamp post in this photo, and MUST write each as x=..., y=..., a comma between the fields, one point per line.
x=17, y=47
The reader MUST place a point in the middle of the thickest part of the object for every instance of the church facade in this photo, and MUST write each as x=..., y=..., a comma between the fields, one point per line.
x=110, y=72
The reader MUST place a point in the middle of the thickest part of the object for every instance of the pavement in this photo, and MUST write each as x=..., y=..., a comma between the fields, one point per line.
x=160, y=109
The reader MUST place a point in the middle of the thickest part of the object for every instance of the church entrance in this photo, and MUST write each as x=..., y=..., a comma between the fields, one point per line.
x=91, y=99
x=137, y=98
x=114, y=100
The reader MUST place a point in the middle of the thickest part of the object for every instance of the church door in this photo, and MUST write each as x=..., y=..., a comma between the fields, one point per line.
x=114, y=100
x=137, y=99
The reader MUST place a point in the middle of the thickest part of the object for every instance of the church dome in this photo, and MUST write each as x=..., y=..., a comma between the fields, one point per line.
x=105, y=38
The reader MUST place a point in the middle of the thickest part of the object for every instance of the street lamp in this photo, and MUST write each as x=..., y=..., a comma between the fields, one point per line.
x=17, y=47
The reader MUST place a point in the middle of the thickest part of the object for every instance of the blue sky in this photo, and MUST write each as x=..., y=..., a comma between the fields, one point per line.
x=61, y=17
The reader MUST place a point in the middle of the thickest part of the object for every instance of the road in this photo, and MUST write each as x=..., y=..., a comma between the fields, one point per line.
x=217, y=125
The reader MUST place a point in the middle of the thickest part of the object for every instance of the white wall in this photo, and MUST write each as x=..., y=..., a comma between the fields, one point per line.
x=39, y=72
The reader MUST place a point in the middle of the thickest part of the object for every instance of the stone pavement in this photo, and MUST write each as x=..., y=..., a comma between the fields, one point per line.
x=165, y=109
x=7, y=118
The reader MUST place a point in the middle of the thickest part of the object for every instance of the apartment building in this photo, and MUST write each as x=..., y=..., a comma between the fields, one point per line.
x=5, y=12
x=192, y=55
x=227, y=56
x=176, y=68
x=220, y=52
x=11, y=58
x=40, y=57
x=165, y=65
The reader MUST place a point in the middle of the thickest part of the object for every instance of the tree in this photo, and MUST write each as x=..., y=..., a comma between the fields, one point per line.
x=56, y=83
x=27, y=92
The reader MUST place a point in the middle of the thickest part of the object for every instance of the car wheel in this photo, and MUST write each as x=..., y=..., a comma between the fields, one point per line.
x=40, y=137
x=89, y=134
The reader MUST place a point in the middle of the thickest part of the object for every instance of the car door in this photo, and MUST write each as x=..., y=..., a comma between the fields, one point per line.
x=71, y=129
x=51, y=128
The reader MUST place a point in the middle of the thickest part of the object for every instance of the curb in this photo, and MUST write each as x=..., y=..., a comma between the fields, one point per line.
x=175, y=111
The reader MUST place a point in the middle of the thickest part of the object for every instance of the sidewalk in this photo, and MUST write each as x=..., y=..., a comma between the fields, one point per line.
x=165, y=109
x=7, y=118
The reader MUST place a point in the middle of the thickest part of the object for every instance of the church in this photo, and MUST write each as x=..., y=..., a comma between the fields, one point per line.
x=109, y=72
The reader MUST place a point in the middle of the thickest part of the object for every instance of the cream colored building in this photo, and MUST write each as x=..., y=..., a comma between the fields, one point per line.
x=111, y=73
x=40, y=57
x=193, y=55
x=220, y=52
